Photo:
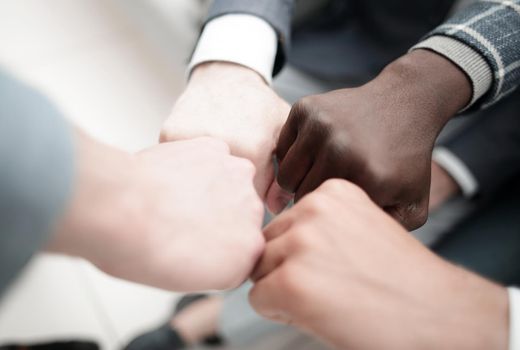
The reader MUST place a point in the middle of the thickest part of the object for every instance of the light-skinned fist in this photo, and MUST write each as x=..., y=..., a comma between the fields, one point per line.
x=234, y=104
x=339, y=268
x=181, y=216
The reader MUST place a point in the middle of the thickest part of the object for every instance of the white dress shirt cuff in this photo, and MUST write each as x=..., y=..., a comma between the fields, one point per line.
x=467, y=59
x=457, y=170
x=238, y=38
x=514, y=319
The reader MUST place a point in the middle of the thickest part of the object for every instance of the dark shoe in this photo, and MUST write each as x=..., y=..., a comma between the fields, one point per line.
x=166, y=338
x=66, y=345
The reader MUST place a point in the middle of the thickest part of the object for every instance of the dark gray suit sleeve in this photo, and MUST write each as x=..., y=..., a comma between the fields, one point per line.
x=36, y=173
x=490, y=147
x=277, y=13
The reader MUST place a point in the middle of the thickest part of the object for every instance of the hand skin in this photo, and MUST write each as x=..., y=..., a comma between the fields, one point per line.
x=234, y=104
x=379, y=136
x=181, y=216
x=443, y=187
x=339, y=268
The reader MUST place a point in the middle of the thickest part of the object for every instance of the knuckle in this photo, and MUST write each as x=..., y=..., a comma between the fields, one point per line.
x=342, y=189
x=252, y=248
x=285, y=180
x=354, y=191
x=323, y=123
x=303, y=104
x=383, y=175
x=232, y=282
x=410, y=215
x=165, y=135
x=418, y=218
x=302, y=239
x=247, y=166
x=214, y=143
x=314, y=204
x=257, y=206
x=333, y=187
x=243, y=261
x=255, y=299
x=305, y=109
x=291, y=283
x=338, y=144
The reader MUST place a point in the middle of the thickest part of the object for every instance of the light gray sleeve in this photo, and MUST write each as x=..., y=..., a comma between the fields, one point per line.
x=36, y=173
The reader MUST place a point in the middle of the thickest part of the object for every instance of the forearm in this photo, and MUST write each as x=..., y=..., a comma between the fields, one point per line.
x=101, y=190
x=36, y=173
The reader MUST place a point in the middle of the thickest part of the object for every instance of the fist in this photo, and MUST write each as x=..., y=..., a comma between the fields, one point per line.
x=181, y=216
x=231, y=103
x=339, y=268
x=379, y=136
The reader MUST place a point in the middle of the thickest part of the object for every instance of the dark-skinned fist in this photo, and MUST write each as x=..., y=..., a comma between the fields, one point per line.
x=379, y=136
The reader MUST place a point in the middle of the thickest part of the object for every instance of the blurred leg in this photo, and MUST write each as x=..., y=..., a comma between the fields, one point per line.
x=488, y=242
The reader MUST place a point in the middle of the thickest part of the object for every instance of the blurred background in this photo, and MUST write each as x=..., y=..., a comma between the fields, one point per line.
x=115, y=67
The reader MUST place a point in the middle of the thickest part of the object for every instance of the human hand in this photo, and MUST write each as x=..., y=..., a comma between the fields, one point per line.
x=181, y=216
x=341, y=269
x=379, y=136
x=231, y=103
x=443, y=187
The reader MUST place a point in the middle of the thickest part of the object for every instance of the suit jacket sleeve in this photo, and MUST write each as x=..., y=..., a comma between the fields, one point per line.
x=36, y=152
x=277, y=13
x=514, y=318
x=490, y=148
x=491, y=29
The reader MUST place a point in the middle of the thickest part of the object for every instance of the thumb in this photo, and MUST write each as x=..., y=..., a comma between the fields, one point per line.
x=277, y=198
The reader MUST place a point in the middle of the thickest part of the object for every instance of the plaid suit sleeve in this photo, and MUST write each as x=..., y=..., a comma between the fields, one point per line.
x=484, y=41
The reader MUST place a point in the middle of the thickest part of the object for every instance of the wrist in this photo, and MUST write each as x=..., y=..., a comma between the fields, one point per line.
x=220, y=72
x=476, y=313
x=431, y=82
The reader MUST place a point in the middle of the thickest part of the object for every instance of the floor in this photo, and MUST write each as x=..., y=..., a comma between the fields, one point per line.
x=115, y=68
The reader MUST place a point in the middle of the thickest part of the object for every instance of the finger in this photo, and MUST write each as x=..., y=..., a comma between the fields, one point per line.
x=411, y=215
x=289, y=132
x=211, y=143
x=265, y=298
x=274, y=255
x=264, y=178
x=277, y=198
x=297, y=162
x=279, y=226
x=315, y=177
x=416, y=214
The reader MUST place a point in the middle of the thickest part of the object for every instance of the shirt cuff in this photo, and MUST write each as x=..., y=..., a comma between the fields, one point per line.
x=514, y=318
x=238, y=38
x=467, y=59
x=457, y=170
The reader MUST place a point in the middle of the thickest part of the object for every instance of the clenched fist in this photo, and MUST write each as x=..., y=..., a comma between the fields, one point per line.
x=231, y=103
x=181, y=216
x=379, y=136
x=336, y=266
